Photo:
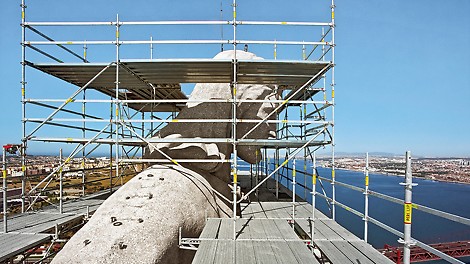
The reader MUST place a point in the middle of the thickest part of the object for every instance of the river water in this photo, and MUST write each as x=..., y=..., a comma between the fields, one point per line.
x=449, y=197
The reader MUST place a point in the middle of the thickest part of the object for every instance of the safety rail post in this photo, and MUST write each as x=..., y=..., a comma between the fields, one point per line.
x=5, y=189
x=276, y=161
x=408, y=207
x=118, y=103
x=234, y=126
x=333, y=108
x=314, y=184
x=24, y=139
x=293, y=192
x=61, y=199
x=84, y=135
x=366, y=197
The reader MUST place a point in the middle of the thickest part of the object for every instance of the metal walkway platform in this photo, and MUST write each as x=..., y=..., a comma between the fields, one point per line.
x=258, y=241
x=265, y=235
x=28, y=230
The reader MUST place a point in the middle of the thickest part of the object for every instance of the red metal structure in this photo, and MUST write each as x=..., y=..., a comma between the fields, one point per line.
x=454, y=249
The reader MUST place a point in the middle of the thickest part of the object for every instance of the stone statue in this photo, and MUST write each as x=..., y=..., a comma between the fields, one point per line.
x=139, y=223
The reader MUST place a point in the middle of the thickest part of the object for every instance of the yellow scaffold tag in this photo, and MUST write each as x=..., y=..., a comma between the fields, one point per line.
x=22, y=92
x=293, y=173
x=235, y=177
x=332, y=174
x=367, y=180
x=314, y=179
x=4, y=174
x=175, y=162
x=333, y=94
x=67, y=160
x=283, y=23
x=407, y=213
x=332, y=15
x=69, y=100
x=23, y=168
x=174, y=120
x=284, y=163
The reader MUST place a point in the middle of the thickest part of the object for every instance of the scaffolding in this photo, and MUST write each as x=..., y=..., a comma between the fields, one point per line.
x=144, y=95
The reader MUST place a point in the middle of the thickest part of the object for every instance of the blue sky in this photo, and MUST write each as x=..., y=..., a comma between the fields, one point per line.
x=402, y=75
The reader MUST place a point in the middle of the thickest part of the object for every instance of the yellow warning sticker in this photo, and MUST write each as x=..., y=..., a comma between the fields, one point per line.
x=407, y=213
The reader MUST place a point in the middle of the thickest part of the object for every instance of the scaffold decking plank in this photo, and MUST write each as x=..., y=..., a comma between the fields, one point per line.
x=225, y=251
x=370, y=252
x=333, y=253
x=257, y=210
x=12, y=244
x=285, y=229
x=206, y=252
x=283, y=252
x=245, y=252
x=301, y=255
x=264, y=253
x=211, y=228
x=351, y=252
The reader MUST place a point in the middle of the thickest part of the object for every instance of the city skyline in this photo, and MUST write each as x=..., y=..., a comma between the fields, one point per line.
x=402, y=75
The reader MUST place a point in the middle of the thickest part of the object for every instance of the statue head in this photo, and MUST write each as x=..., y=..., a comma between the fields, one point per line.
x=210, y=110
